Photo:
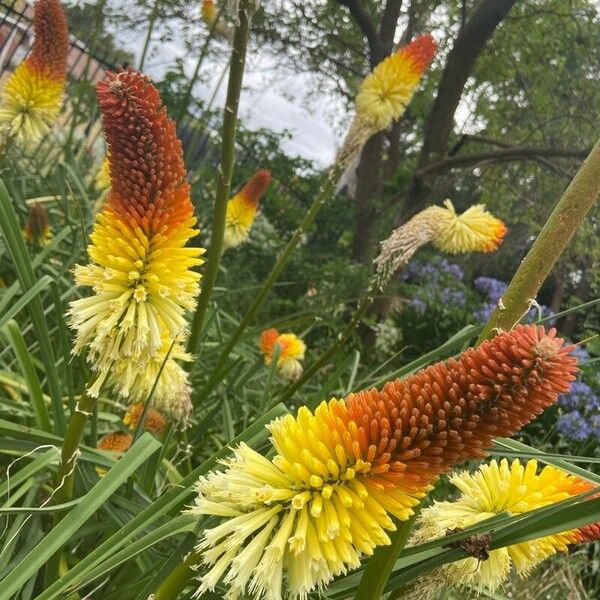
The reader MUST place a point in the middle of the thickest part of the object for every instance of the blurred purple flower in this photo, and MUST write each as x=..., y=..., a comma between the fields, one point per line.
x=484, y=312
x=574, y=426
x=451, y=296
x=493, y=288
x=580, y=353
x=418, y=305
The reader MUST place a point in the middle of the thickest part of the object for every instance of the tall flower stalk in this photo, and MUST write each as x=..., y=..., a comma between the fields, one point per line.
x=340, y=474
x=133, y=325
x=32, y=96
x=234, y=88
x=383, y=97
x=561, y=226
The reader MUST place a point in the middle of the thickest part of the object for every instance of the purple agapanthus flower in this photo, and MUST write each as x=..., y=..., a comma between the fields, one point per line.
x=574, y=426
x=419, y=305
x=484, y=312
x=493, y=288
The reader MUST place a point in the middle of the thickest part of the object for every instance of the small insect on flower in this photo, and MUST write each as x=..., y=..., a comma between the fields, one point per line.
x=32, y=95
x=291, y=352
x=475, y=230
x=154, y=422
x=493, y=489
x=340, y=473
x=140, y=271
x=37, y=232
x=241, y=209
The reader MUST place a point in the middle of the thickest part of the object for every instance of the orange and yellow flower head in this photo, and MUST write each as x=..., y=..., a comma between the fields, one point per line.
x=291, y=352
x=340, y=473
x=241, y=209
x=141, y=269
x=495, y=488
x=32, y=95
x=154, y=422
x=37, y=232
x=116, y=441
x=475, y=230
x=208, y=11
x=385, y=93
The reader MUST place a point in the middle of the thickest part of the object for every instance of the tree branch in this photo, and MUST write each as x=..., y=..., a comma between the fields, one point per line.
x=500, y=155
x=367, y=26
x=389, y=22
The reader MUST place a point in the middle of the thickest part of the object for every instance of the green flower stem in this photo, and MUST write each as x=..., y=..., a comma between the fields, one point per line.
x=178, y=578
x=66, y=471
x=151, y=23
x=327, y=190
x=234, y=88
x=339, y=342
x=201, y=57
x=562, y=224
x=381, y=564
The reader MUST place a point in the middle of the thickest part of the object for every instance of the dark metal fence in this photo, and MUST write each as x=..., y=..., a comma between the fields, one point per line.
x=78, y=122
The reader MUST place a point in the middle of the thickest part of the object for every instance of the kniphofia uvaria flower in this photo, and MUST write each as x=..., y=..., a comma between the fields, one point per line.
x=32, y=95
x=140, y=270
x=495, y=488
x=241, y=209
x=291, y=352
x=475, y=230
x=340, y=473
x=385, y=93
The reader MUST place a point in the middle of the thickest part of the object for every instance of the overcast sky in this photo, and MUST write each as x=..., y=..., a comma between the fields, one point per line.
x=269, y=99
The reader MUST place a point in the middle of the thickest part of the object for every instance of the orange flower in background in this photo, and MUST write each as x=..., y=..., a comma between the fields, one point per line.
x=140, y=271
x=339, y=473
x=154, y=422
x=32, y=95
x=37, y=230
x=210, y=16
x=116, y=441
x=241, y=209
x=291, y=352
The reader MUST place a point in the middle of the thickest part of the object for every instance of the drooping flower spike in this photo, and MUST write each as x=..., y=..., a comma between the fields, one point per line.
x=211, y=17
x=140, y=272
x=385, y=93
x=475, y=230
x=32, y=95
x=291, y=352
x=37, y=231
x=241, y=209
x=493, y=489
x=327, y=496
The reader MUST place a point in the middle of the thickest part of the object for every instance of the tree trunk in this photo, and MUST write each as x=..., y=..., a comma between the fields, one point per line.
x=369, y=187
x=468, y=46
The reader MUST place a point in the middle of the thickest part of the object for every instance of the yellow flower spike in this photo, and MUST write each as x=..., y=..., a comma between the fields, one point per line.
x=241, y=209
x=32, y=95
x=141, y=269
x=387, y=91
x=495, y=488
x=339, y=474
x=475, y=230
x=291, y=352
